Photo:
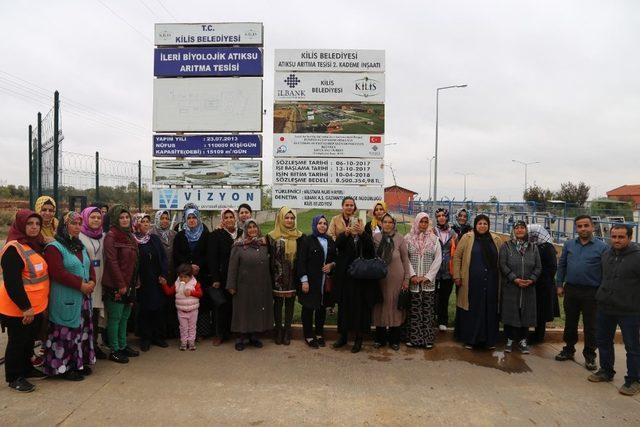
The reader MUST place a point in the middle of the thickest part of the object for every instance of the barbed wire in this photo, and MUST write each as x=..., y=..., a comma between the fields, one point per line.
x=79, y=171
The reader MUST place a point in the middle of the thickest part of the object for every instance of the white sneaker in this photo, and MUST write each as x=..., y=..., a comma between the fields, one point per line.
x=442, y=327
x=509, y=346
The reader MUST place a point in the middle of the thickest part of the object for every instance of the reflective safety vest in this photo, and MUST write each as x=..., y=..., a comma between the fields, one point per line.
x=35, y=277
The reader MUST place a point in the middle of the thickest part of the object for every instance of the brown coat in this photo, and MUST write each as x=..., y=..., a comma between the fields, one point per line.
x=337, y=226
x=461, y=263
x=120, y=260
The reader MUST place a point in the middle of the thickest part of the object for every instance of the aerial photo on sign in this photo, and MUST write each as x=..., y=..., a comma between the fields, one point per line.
x=207, y=61
x=207, y=172
x=335, y=87
x=299, y=170
x=206, y=198
x=329, y=60
x=222, y=33
x=310, y=196
x=327, y=145
x=207, y=104
x=338, y=118
x=207, y=145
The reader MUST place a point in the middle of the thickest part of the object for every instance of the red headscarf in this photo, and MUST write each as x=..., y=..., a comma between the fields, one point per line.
x=18, y=230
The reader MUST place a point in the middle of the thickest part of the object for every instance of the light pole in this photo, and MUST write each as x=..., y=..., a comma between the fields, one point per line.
x=465, y=175
x=435, y=169
x=430, y=174
x=526, y=165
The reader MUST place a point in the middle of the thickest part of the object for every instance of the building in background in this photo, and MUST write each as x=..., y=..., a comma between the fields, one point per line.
x=398, y=198
x=626, y=193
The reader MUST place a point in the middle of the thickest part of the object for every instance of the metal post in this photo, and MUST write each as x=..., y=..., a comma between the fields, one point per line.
x=39, y=178
x=30, y=168
x=97, y=176
x=435, y=168
x=56, y=145
x=139, y=186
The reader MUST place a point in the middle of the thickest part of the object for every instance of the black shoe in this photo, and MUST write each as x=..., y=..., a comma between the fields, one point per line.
x=357, y=346
x=239, y=345
x=99, y=353
x=395, y=346
x=22, y=385
x=342, y=341
x=255, y=342
x=160, y=343
x=73, y=375
x=590, y=363
x=321, y=342
x=145, y=345
x=130, y=352
x=118, y=357
x=86, y=371
x=564, y=355
x=377, y=344
x=277, y=336
x=36, y=374
x=286, y=337
x=600, y=376
x=311, y=342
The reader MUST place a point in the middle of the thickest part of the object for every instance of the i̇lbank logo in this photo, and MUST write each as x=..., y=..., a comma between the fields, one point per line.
x=168, y=199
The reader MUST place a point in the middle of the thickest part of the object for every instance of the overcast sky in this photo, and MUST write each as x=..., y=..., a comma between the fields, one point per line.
x=549, y=81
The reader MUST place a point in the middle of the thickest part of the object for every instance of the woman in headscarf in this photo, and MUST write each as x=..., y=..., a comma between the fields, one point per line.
x=218, y=253
x=283, y=241
x=92, y=238
x=45, y=206
x=447, y=240
x=314, y=262
x=152, y=274
x=520, y=266
x=249, y=281
x=375, y=225
x=461, y=224
x=546, y=296
x=387, y=318
x=476, y=273
x=425, y=257
x=119, y=281
x=162, y=228
x=69, y=346
x=190, y=247
x=24, y=296
x=244, y=214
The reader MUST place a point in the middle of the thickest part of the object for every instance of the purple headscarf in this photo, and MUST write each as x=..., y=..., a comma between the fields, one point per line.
x=93, y=233
x=314, y=226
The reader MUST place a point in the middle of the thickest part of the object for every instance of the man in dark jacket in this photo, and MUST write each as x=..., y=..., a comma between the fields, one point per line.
x=619, y=304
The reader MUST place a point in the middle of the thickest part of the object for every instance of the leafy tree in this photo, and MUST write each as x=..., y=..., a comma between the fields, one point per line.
x=573, y=193
x=537, y=194
x=493, y=199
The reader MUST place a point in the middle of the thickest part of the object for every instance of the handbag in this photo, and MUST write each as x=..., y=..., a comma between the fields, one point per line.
x=328, y=284
x=404, y=300
x=367, y=269
x=216, y=295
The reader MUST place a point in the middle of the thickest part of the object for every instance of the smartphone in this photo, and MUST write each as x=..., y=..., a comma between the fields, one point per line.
x=362, y=215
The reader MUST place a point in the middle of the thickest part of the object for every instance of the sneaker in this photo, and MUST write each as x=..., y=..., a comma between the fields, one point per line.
x=86, y=371
x=429, y=346
x=468, y=346
x=630, y=388
x=22, y=385
x=523, y=347
x=600, y=377
x=183, y=346
x=311, y=342
x=73, y=375
x=590, y=363
x=321, y=342
x=395, y=346
x=239, y=345
x=118, y=357
x=191, y=346
x=442, y=328
x=377, y=345
x=508, y=346
x=130, y=352
x=564, y=355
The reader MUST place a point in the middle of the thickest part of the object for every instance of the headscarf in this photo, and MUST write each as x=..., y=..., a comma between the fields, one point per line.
x=193, y=234
x=136, y=223
x=74, y=244
x=489, y=252
x=444, y=226
x=314, y=227
x=290, y=235
x=93, y=233
x=163, y=233
x=538, y=235
x=423, y=241
x=386, y=247
x=235, y=216
x=521, y=245
x=18, y=230
x=50, y=230
x=466, y=214
x=114, y=218
x=374, y=220
x=247, y=242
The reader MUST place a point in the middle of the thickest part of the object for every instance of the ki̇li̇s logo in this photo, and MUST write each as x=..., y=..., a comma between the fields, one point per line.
x=168, y=199
x=165, y=35
x=366, y=87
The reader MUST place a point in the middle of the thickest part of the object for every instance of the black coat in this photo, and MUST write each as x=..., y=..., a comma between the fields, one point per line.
x=218, y=253
x=182, y=254
x=546, y=295
x=309, y=262
x=153, y=263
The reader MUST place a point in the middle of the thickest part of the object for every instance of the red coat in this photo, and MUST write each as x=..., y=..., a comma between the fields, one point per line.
x=120, y=260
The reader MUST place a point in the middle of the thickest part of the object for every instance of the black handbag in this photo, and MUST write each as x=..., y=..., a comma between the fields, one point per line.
x=216, y=295
x=404, y=300
x=367, y=269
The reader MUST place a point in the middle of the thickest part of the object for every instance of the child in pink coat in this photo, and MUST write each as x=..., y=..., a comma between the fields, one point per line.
x=188, y=293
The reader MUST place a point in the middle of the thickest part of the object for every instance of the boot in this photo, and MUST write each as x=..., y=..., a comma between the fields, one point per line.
x=286, y=338
x=357, y=345
x=342, y=341
x=277, y=335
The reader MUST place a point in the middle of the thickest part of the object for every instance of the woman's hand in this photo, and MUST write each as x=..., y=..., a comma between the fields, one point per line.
x=405, y=286
x=231, y=291
x=122, y=291
x=521, y=282
x=27, y=316
x=162, y=280
x=195, y=268
x=216, y=285
x=87, y=287
x=327, y=268
x=305, y=287
x=187, y=292
x=357, y=228
x=414, y=280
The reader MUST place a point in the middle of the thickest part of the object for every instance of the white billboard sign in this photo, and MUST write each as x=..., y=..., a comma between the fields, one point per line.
x=206, y=198
x=329, y=60
x=201, y=104
x=221, y=33
x=348, y=87
x=327, y=145
x=207, y=172
x=327, y=197
x=303, y=171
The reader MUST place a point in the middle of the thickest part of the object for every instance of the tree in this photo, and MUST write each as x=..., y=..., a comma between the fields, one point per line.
x=493, y=199
x=573, y=193
x=537, y=194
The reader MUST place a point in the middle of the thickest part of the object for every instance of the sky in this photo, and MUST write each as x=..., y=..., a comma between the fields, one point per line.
x=554, y=82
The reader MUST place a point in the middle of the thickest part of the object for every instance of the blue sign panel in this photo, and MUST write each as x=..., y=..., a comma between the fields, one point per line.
x=207, y=146
x=208, y=61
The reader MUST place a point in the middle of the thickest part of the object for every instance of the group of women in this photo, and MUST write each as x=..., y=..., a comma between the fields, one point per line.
x=85, y=279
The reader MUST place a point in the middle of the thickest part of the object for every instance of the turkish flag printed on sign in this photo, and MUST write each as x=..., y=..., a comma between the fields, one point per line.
x=375, y=139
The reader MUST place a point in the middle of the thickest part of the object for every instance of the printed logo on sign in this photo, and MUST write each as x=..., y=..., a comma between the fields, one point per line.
x=375, y=139
x=165, y=35
x=366, y=87
x=251, y=34
x=282, y=149
x=292, y=81
x=168, y=199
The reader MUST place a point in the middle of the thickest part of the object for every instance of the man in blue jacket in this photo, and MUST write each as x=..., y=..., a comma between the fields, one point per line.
x=578, y=278
x=619, y=305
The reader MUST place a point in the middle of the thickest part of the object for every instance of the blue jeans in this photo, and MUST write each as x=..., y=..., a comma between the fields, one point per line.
x=606, y=329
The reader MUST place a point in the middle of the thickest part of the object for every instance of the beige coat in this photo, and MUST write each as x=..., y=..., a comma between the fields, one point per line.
x=461, y=263
x=337, y=226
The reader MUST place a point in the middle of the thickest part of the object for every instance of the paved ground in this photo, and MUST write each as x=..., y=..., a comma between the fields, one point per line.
x=296, y=385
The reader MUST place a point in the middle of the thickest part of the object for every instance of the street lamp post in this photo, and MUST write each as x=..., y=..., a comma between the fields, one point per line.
x=526, y=165
x=465, y=175
x=430, y=174
x=435, y=169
